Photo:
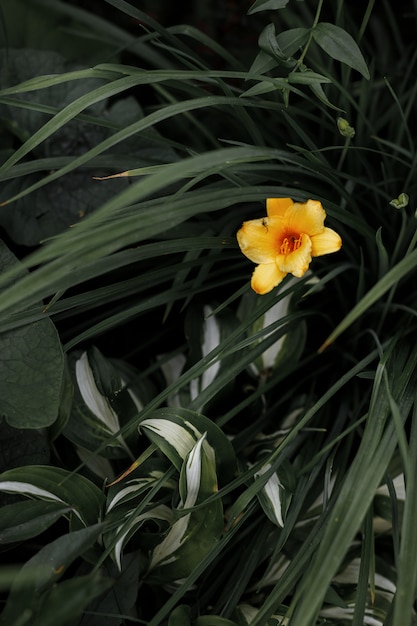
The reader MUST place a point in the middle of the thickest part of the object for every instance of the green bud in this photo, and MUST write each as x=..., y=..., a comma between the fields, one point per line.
x=345, y=129
x=400, y=202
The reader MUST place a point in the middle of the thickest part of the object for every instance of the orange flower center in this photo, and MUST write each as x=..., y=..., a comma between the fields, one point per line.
x=290, y=243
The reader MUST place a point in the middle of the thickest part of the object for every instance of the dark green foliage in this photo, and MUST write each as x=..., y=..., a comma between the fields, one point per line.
x=175, y=449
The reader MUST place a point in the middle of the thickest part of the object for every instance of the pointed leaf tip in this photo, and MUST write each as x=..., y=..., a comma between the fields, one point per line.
x=339, y=45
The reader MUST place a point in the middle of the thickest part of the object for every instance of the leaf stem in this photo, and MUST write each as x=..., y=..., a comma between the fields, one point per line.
x=310, y=37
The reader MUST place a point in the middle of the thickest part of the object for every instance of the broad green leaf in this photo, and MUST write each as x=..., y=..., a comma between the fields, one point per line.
x=63, y=118
x=65, y=405
x=180, y=616
x=57, y=485
x=106, y=31
x=21, y=65
x=23, y=447
x=23, y=520
x=123, y=595
x=31, y=365
x=28, y=24
x=31, y=368
x=43, y=571
x=68, y=599
x=50, y=211
x=64, y=204
x=338, y=44
x=77, y=195
x=267, y=5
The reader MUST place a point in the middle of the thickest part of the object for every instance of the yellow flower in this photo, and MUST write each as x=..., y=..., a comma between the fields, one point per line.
x=285, y=241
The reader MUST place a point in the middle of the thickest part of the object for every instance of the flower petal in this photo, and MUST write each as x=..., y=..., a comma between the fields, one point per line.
x=306, y=217
x=278, y=206
x=326, y=242
x=256, y=242
x=296, y=262
x=265, y=277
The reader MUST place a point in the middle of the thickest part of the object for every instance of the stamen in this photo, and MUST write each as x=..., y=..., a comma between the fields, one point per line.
x=290, y=244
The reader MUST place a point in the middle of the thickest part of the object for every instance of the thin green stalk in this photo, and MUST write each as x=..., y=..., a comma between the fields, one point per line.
x=365, y=19
x=343, y=154
x=402, y=128
x=310, y=36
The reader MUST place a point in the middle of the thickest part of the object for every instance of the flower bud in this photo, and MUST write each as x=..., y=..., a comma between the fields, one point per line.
x=345, y=129
x=401, y=202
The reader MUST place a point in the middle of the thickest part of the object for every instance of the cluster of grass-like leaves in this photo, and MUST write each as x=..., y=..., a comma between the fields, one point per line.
x=175, y=449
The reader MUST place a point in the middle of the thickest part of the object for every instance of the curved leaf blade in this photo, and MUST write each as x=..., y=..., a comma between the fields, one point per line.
x=340, y=46
x=55, y=484
x=267, y=5
x=24, y=520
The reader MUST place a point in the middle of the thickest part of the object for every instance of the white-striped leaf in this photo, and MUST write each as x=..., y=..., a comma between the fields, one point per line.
x=194, y=533
x=275, y=496
x=175, y=431
x=54, y=484
x=131, y=524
